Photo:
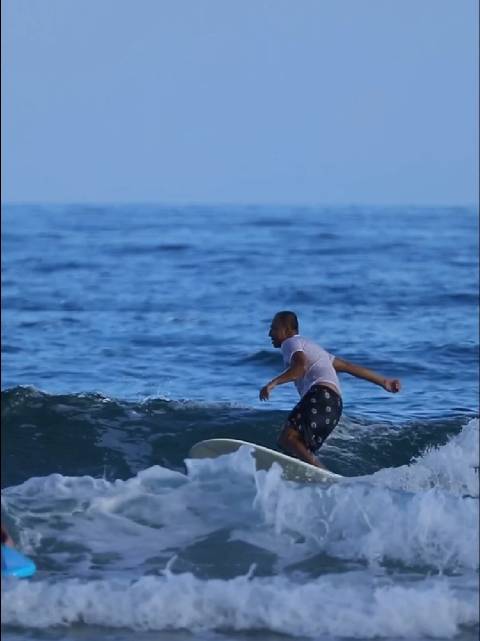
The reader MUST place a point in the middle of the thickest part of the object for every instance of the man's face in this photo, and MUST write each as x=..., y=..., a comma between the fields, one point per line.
x=277, y=333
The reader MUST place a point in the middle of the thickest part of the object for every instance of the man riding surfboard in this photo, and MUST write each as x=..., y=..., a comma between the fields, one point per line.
x=314, y=372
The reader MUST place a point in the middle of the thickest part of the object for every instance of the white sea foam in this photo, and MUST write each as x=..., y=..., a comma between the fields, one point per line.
x=364, y=521
x=421, y=514
x=398, y=515
x=164, y=509
x=453, y=467
x=347, y=605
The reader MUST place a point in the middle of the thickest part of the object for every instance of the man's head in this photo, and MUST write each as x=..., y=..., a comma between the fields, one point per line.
x=284, y=325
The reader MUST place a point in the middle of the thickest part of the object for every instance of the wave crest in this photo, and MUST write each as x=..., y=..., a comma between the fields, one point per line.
x=376, y=609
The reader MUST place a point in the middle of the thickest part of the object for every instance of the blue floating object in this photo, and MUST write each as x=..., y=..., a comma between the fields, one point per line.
x=14, y=563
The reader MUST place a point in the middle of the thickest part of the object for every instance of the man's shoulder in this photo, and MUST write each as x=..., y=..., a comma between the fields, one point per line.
x=289, y=346
x=293, y=341
x=310, y=344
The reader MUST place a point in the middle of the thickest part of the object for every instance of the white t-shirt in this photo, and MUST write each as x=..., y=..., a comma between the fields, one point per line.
x=319, y=363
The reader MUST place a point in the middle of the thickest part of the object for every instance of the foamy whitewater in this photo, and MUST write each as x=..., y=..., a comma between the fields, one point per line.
x=381, y=531
x=141, y=335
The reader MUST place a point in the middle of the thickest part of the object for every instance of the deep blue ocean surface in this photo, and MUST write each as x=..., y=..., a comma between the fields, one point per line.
x=131, y=332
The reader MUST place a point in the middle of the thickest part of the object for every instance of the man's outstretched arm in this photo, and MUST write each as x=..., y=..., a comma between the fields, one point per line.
x=389, y=384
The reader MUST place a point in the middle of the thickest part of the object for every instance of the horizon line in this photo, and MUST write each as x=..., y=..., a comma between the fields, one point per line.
x=246, y=204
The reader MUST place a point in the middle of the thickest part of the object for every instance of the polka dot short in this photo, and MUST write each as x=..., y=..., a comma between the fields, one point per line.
x=316, y=415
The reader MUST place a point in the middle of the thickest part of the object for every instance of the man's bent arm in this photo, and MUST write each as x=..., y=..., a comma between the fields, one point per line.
x=296, y=370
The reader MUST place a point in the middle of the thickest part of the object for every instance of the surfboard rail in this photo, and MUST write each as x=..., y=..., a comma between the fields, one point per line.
x=292, y=469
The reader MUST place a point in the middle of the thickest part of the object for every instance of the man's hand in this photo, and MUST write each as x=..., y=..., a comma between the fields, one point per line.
x=392, y=385
x=266, y=391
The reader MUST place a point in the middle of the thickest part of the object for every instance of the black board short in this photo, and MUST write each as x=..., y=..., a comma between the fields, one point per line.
x=316, y=415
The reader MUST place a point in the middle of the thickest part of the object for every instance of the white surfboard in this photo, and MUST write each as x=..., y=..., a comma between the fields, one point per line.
x=292, y=469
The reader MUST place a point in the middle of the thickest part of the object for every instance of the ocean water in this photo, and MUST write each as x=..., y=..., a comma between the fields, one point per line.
x=131, y=332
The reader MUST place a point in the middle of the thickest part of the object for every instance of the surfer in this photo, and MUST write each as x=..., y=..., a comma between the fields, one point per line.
x=314, y=372
x=6, y=538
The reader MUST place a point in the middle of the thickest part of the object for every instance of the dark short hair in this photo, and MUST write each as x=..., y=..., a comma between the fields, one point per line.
x=288, y=320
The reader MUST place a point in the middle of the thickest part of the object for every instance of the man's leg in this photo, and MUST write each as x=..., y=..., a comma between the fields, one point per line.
x=292, y=441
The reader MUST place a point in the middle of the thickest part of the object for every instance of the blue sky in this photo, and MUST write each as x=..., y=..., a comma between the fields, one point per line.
x=240, y=101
